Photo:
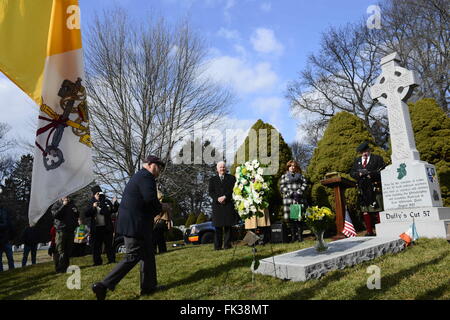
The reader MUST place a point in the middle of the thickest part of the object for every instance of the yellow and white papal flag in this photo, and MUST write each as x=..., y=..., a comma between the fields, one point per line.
x=41, y=52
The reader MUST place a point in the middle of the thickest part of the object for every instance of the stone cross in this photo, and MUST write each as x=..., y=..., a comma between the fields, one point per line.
x=393, y=88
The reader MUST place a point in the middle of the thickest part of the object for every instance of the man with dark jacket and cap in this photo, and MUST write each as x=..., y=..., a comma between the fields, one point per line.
x=137, y=210
x=366, y=170
x=100, y=211
x=65, y=215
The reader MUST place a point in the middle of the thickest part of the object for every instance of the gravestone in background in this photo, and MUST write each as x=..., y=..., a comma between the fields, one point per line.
x=410, y=186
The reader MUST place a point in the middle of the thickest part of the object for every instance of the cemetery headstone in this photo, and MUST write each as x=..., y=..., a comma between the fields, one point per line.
x=410, y=186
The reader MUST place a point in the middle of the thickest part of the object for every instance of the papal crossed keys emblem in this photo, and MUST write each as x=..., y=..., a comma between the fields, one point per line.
x=73, y=100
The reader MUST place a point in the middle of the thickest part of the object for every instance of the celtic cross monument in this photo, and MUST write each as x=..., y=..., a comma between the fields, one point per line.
x=410, y=186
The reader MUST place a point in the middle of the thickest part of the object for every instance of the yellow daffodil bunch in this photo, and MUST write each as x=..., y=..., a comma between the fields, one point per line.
x=319, y=218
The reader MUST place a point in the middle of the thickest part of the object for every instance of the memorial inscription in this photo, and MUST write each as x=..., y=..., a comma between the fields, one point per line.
x=407, y=193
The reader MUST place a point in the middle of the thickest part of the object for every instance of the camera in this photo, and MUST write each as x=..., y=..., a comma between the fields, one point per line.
x=101, y=197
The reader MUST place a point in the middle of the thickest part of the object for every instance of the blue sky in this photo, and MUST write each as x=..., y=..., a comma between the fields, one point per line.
x=255, y=47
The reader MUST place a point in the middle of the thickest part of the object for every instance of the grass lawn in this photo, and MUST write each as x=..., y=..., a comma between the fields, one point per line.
x=41, y=256
x=198, y=272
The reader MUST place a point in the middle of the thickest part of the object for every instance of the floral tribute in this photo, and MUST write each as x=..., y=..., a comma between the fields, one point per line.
x=251, y=190
x=318, y=219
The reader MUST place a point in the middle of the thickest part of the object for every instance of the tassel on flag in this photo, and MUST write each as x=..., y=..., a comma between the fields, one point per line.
x=349, y=229
x=410, y=235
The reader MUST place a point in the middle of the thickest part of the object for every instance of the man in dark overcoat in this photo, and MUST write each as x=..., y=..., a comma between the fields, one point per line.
x=65, y=214
x=137, y=210
x=366, y=170
x=224, y=215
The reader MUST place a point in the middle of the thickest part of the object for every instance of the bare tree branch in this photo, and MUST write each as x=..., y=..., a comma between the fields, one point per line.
x=145, y=88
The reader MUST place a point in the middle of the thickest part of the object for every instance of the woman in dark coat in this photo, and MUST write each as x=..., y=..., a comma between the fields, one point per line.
x=292, y=187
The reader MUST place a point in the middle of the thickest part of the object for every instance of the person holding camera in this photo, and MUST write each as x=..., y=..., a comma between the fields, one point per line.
x=102, y=229
x=366, y=171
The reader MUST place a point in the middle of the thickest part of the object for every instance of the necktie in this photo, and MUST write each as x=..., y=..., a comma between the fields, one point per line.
x=221, y=178
x=364, y=163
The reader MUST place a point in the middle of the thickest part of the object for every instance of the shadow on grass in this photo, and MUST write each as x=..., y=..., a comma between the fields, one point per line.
x=24, y=282
x=308, y=293
x=9, y=277
x=220, y=269
x=27, y=286
x=392, y=280
x=435, y=293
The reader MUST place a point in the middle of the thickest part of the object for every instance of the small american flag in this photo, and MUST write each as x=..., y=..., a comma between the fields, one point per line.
x=348, y=230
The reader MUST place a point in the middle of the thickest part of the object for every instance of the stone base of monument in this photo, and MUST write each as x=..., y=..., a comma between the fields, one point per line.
x=431, y=222
x=308, y=264
x=411, y=192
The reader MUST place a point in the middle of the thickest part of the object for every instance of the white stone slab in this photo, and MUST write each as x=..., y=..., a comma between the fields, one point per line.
x=424, y=214
x=418, y=188
x=425, y=229
x=308, y=264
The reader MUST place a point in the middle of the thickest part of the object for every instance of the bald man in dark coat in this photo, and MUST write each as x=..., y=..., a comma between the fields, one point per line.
x=224, y=215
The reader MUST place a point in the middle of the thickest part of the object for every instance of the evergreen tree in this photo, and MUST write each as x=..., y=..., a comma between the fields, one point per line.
x=16, y=193
x=284, y=154
x=432, y=133
x=192, y=219
x=201, y=218
x=16, y=198
x=336, y=152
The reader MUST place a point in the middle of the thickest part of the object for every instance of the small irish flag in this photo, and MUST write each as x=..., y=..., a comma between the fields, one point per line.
x=410, y=235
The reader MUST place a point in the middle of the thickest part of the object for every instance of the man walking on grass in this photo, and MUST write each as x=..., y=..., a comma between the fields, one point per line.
x=137, y=210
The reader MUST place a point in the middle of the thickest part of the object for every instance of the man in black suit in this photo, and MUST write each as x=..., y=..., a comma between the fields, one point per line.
x=366, y=170
x=137, y=209
x=224, y=215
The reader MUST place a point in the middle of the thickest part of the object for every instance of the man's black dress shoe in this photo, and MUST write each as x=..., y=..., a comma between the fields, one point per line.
x=99, y=290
